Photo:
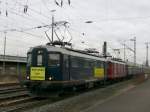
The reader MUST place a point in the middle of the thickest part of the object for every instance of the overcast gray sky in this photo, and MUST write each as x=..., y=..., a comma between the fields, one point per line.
x=114, y=21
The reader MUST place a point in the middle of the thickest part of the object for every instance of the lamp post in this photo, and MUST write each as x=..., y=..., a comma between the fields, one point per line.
x=147, y=47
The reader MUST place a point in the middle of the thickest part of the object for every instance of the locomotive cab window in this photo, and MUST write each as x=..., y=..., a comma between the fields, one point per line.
x=54, y=60
x=39, y=59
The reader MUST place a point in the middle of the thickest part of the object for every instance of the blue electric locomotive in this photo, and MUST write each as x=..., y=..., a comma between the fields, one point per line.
x=53, y=69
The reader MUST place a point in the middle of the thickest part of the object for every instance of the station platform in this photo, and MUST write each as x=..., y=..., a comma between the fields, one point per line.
x=134, y=100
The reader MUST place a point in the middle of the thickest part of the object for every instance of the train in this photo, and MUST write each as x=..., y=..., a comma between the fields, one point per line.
x=53, y=69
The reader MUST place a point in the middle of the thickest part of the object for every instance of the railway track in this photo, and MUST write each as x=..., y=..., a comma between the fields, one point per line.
x=19, y=100
x=8, y=91
x=8, y=87
x=22, y=103
x=15, y=98
x=9, y=84
x=11, y=94
x=11, y=90
x=19, y=104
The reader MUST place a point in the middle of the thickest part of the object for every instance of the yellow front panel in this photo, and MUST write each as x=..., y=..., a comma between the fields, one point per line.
x=99, y=72
x=37, y=73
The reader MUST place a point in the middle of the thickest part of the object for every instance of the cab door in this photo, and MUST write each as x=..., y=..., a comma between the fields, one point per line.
x=54, y=66
x=38, y=69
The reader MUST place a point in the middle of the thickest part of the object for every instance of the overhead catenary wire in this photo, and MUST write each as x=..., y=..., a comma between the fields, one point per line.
x=35, y=11
x=38, y=36
x=25, y=29
x=11, y=19
x=22, y=15
x=20, y=41
x=106, y=19
x=25, y=17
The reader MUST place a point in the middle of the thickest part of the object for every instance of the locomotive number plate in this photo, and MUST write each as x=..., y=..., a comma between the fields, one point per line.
x=37, y=73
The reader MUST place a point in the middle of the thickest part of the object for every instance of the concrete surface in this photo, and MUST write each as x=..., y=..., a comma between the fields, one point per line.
x=135, y=100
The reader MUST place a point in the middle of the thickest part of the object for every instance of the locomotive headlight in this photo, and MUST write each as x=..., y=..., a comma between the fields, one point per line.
x=50, y=78
x=28, y=77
